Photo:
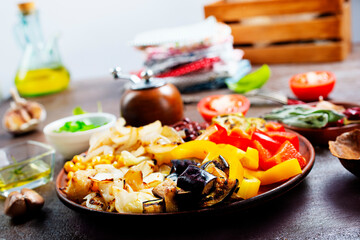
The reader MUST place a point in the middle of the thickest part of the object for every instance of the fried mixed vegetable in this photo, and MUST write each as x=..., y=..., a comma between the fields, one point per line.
x=151, y=169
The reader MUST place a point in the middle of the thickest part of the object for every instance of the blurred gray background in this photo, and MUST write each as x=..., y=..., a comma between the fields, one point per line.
x=95, y=35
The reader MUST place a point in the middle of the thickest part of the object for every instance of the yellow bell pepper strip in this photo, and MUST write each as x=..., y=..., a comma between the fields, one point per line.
x=249, y=187
x=280, y=172
x=251, y=159
x=232, y=155
x=207, y=150
x=192, y=149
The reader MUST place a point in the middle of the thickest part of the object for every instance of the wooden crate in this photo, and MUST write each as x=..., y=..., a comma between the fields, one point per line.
x=287, y=31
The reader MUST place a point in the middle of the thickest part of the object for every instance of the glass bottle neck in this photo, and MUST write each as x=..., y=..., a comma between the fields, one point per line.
x=30, y=30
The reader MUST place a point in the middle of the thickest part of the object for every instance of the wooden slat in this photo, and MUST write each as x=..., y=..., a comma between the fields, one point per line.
x=346, y=23
x=224, y=11
x=321, y=28
x=296, y=53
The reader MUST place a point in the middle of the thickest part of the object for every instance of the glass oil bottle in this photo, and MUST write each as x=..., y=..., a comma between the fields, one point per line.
x=41, y=70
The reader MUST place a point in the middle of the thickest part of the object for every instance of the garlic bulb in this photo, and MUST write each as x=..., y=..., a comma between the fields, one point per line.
x=23, y=116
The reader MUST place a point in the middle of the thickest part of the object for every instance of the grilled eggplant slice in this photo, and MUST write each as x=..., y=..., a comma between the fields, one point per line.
x=220, y=163
x=211, y=168
x=185, y=199
x=173, y=176
x=196, y=180
x=223, y=188
x=180, y=165
x=154, y=206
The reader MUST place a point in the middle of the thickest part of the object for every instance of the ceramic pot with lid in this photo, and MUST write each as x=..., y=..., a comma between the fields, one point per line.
x=149, y=99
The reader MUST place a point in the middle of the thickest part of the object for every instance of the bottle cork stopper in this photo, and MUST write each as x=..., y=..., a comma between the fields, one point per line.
x=26, y=7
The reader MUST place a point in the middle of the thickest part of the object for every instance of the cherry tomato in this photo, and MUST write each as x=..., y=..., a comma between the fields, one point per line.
x=311, y=85
x=216, y=105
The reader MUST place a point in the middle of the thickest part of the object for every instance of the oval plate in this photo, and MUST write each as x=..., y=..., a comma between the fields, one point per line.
x=266, y=192
x=321, y=136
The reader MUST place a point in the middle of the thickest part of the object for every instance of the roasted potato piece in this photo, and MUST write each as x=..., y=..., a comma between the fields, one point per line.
x=95, y=201
x=79, y=185
x=167, y=191
x=134, y=179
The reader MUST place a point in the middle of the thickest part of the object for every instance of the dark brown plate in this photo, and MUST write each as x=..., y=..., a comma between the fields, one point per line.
x=323, y=135
x=267, y=192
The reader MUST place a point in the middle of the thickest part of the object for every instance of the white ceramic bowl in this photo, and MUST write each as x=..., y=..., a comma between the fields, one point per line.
x=72, y=143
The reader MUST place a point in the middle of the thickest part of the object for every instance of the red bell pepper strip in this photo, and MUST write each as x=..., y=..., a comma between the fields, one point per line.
x=221, y=137
x=264, y=154
x=286, y=151
x=266, y=141
x=281, y=137
x=238, y=132
x=274, y=126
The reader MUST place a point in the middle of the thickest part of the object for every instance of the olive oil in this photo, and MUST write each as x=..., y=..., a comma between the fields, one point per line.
x=41, y=70
x=13, y=178
x=41, y=81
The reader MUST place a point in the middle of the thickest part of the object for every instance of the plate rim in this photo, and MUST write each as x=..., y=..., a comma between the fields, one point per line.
x=239, y=205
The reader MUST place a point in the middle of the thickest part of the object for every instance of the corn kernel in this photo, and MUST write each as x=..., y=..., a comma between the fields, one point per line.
x=80, y=166
x=109, y=157
x=78, y=158
x=106, y=161
x=96, y=160
x=69, y=165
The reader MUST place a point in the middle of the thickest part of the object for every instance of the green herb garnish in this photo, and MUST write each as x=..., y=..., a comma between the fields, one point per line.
x=77, y=126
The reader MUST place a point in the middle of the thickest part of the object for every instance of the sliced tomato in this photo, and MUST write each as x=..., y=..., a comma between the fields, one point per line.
x=216, y=105
x=286, y=152
x=274, y=126
x=311, y=85
x=281, y=137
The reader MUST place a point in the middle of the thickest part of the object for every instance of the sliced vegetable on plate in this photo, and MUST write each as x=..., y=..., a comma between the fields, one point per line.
x=151, y=169
x=216, y=105
x=312, y=85
x=320, y=115
x=320, y=122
